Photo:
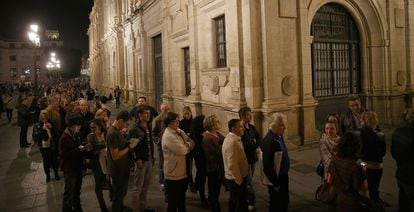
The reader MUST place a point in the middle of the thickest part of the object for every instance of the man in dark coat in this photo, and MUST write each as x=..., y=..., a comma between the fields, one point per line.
x=23, y=115
x=87, y=117
x=402, y=150
x=276, y=164
x=352, y=119
x=71, y=152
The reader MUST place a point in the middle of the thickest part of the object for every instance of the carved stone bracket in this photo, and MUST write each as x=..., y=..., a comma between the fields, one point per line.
x=214, y=79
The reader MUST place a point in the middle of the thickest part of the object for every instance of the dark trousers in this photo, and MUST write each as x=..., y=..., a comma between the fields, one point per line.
x=9, y=113
x=279, y=199
x=215, y=180
x=100, y=180
x=406, y=197
x=200, y=178
x=374, y=178
x=71, y=195
x=238, y=196
x=23, y=135
x=117, y=101
x=119, y=191
x=50, y=160
x=176, y=194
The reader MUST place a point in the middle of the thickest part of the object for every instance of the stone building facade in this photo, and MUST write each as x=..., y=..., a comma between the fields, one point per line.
x=301, y=58
x=18, y=60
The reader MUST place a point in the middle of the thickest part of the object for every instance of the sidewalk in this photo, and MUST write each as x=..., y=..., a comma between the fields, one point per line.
x=23, y=185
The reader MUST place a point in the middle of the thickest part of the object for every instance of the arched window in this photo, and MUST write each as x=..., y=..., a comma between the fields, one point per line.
x=336, y=70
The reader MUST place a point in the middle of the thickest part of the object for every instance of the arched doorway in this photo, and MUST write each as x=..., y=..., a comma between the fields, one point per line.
x=336, y=69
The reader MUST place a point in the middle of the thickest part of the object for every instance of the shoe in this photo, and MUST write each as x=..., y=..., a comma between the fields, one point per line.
x=251, y=207
x=29, y=144
x=47, y=178
x=162, y=187
x=57, y=177
x=149, y=210
x=193, y=189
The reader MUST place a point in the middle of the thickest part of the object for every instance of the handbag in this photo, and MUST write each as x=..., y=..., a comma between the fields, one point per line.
x=320, y=169
x=326, y=192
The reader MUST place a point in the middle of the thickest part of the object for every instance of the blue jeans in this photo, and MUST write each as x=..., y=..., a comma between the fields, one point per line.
x=251, y=197
x=142, y=180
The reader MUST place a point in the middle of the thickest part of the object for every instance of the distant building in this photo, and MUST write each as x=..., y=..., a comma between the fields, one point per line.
x=300, y=58
x=18, y=59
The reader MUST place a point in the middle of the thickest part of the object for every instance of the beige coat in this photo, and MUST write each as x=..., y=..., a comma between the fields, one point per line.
x=235, y=161
x=175, y=146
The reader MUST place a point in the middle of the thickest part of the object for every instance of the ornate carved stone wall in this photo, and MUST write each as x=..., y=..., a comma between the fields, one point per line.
x=268, y=56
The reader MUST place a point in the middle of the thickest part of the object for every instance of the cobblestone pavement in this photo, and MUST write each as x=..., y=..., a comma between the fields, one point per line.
x=23, y=184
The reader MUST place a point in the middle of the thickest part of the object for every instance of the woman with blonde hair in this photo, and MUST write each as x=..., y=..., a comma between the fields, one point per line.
x=48, y=146
x=104, y=114
x=372, y=153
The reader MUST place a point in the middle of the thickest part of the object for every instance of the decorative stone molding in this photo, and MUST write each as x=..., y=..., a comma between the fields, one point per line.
x=400, y=78
x=289, y=85
x=213, y=79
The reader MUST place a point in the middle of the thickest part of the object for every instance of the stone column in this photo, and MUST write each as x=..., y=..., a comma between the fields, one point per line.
x=409, y=34
x=307, y=102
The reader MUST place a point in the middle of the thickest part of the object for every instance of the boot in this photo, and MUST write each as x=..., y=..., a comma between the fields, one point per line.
x=57, y=175
x=103, y=208
x=203, y=200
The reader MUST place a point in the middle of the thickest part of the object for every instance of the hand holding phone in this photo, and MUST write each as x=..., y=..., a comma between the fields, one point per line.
x=133, y=142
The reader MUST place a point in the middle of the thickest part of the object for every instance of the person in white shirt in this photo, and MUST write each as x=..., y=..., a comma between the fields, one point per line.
x=235, y=166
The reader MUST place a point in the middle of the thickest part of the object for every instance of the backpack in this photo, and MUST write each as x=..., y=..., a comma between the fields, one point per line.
x=37, y=132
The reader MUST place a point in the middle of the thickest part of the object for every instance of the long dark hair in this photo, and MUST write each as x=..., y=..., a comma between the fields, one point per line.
x=349, y=146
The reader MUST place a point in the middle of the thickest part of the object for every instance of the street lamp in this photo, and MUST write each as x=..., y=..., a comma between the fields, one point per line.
x=35, y=39
x=53, y=64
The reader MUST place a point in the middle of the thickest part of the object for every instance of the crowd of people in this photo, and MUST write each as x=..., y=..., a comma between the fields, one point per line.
x=352, y=149
x=71, y=128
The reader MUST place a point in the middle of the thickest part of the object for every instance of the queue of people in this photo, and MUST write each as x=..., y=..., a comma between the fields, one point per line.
x=72, y=130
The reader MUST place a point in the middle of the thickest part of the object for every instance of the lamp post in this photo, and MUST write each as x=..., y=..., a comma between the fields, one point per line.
x=35, y=39
x=53, y=65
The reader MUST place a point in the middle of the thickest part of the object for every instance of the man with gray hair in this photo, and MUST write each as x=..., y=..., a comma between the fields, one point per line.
x=402, y=150
x=276, y=164
x=157, y=131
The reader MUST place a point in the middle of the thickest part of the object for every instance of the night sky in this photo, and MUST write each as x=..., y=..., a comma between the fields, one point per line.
x=70, y=17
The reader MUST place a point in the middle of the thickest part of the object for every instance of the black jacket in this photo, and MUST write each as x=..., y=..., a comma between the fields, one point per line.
x=141, y=150
x=269, y=146
x=251, y=140
x=70, y=156
x=23, y=115
x=373, y=145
